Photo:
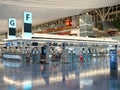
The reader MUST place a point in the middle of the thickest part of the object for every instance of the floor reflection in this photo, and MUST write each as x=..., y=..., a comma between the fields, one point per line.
x=92, y=75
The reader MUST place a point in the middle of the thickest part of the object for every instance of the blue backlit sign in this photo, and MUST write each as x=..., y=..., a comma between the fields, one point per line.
x=113, y=59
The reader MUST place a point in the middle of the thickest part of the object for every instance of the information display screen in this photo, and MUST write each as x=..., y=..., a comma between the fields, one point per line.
x=12, y=31
x=27, y=27
x=43, y=50
x=34, y=44
x=8, y=44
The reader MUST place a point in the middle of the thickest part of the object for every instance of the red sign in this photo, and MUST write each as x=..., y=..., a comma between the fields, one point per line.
x=64, y=33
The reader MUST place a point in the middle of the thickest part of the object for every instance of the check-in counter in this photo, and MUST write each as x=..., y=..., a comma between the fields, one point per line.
x=12, y=56
x=99, y=54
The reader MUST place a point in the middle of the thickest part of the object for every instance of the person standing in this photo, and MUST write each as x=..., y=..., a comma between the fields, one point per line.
x=88, y=55
x=28, y=56
x=84, y=54
x=23, y=56
x=37, y=55
x=33, y=55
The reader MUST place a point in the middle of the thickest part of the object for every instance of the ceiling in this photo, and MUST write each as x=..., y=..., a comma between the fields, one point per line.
x=46, y=10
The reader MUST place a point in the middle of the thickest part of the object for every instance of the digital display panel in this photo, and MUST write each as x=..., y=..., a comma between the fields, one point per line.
x=12, y=31
x=27, y=27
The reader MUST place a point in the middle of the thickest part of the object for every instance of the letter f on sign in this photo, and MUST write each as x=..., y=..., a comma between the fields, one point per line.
x=27, y=16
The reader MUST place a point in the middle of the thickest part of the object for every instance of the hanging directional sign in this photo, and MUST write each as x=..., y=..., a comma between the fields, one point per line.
x=28, y=17
x=12, y=28
x=27, y=32
x=12, y=23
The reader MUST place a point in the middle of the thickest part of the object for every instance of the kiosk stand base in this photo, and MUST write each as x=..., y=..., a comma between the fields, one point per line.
x=113, y=73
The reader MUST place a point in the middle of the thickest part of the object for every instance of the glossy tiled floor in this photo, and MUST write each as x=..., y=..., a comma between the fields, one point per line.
x=92, y=75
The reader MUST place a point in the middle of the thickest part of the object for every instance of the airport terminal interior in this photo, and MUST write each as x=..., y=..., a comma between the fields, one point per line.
x=59, y=45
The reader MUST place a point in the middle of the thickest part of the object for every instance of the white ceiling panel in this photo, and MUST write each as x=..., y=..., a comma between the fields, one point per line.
x=46, y=10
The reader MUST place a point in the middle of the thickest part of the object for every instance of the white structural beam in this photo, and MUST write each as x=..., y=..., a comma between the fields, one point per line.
x=102, y=14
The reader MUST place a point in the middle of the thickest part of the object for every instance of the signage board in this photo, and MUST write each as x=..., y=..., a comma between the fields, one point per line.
x=113, y=62
x=12, y=23
x=27, y=32
x=12, y=28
